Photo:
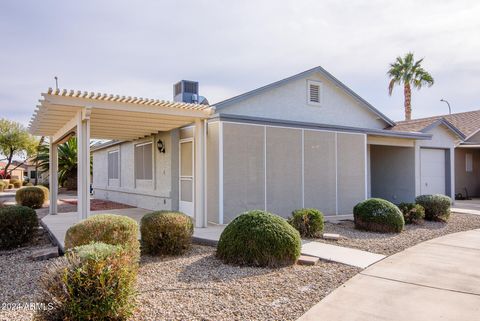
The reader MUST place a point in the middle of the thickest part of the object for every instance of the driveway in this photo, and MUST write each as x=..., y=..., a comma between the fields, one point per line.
x=434, y=280
x=467, y=206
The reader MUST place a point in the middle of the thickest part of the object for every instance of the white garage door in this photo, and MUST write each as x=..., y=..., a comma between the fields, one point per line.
x=432, y=171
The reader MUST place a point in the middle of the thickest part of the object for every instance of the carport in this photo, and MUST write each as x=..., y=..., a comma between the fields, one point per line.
x=88, y=115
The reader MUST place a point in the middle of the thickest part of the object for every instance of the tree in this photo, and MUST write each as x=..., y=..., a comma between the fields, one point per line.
x=15, y=141
x=67, y=162
x=410, y=73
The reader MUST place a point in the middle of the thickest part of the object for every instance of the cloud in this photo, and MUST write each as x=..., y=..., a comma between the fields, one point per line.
x=142, y=48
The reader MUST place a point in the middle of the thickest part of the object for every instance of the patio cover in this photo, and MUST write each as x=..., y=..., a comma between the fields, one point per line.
x=63, y=113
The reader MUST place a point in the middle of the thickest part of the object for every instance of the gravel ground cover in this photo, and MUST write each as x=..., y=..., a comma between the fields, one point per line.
x=197, y=286
x=391, y=243
x=18, y=279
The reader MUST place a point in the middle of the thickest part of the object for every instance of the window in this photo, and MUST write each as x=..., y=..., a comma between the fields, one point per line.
x=314, y=92
x=469, y=162
x=143, y=161
x=113, y=164
x=33, y=174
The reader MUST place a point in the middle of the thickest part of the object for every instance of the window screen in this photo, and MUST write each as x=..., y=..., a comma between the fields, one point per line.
x=33, y=174
x=113, y=162
x=469, y=162
x=143, y=161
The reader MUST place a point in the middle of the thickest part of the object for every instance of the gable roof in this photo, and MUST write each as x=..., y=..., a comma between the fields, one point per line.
x=304, y=74
x=467, y=123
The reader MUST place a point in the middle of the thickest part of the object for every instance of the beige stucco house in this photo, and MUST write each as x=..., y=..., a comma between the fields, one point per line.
x=467, y=149
x=304, y=141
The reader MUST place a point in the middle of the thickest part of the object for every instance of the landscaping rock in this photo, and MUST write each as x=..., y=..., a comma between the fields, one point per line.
x=307, y=260
x=44, y=254
x=331, y=236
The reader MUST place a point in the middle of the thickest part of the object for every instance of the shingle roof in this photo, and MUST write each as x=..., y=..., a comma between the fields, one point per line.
x=468, y=123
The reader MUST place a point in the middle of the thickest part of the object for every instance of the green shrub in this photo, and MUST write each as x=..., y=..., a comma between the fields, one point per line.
x=94, y=282
x=437, y=207
x=378, y=215
x=10, y=186
x=106, y=228
x=28, y=184
x=166, y=232
x=31, y=196
x=412, y=213
x=16, y=183
x=259, y=238
x=17, y=226
x=307, y=221
x=2, y=186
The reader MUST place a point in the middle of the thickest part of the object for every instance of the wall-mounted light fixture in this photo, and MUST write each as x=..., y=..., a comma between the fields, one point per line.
x=161, y=146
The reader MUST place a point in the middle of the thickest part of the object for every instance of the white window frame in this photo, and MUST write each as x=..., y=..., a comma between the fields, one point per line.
x=468, y=162
x=118, y=164
x=135, y=161
x=320, y=92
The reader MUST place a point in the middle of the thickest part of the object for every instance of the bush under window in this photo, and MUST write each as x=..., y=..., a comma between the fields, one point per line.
x=378, y=215
x=259, y=238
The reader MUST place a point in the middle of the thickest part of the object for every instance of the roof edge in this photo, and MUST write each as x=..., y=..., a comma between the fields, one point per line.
x=307, y=125
x=449, y=125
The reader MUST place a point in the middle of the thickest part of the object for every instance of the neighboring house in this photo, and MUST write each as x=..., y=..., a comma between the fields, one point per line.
x=304, y=141
x=18, y=170
x=31, y=172
x=467, y=147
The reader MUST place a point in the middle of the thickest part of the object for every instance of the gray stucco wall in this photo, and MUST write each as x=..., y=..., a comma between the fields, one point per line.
x=464, y=179
x=392, y=171
x=289, y=102
x=159, y=193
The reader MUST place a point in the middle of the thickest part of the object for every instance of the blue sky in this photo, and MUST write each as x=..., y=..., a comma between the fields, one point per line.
x=141, y=48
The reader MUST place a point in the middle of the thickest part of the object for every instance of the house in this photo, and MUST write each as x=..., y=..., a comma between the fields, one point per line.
x=16, y=170
x=304, y=141
x=467, y=148
x=31, y=171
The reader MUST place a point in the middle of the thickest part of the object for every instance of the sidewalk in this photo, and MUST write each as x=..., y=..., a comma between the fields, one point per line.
x=434, y=280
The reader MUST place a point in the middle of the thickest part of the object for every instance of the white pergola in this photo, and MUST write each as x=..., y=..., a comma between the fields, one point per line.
x=89, y=115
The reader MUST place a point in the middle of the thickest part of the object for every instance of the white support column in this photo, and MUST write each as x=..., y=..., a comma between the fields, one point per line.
x=200, y=217
x=83, y=163
x=53, y=176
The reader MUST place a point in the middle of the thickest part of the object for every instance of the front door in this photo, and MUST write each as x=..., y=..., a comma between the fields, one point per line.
x=186, y=184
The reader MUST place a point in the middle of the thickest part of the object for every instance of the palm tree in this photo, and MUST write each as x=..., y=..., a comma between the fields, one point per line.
x=408, y=72
x=67, y=162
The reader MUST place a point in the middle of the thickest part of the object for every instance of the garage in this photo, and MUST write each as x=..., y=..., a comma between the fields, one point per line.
x=432, y=171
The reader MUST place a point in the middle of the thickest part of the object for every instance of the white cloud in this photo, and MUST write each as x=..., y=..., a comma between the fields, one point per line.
x=141, y=49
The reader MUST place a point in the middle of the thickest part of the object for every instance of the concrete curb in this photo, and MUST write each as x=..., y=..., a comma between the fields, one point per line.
x=53, y=238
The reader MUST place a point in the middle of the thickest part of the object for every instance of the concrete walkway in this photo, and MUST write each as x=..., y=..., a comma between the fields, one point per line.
x=59, y=224
x=467, y=206
x=434, y=280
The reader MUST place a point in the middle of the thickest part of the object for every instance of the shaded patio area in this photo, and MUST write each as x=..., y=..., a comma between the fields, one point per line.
x=58, y=225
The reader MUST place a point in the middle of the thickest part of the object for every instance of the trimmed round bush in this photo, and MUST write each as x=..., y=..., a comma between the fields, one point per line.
x=16, y=183
x=412, y=213
x=93, y=282
x=106, y=228
x=378, y=215
x=31, y=196
x=166, y=232
x=307, y=221
x=437, y=207
x=10, y=186
x=17, y=226
x=259, y=238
